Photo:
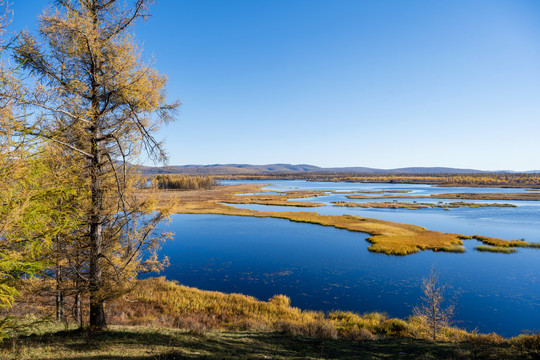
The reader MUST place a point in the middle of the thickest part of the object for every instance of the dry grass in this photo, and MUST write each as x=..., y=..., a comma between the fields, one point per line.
x=158, y=302
x=530, y=196
x=415, y=205
x=277, y=199
x=161, y=319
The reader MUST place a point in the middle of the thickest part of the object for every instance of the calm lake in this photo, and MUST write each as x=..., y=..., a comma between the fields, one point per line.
x=323, y=268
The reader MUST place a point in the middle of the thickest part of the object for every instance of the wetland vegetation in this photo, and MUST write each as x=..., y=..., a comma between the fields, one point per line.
x=387, y=237
x=525, y=196
x=496, y=249
x=416, y=205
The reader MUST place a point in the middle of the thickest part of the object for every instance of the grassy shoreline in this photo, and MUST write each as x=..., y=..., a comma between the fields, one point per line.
x=161, y=319
x=386, y=237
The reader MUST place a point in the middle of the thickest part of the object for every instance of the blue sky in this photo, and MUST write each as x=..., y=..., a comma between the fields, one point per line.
x=386, y=83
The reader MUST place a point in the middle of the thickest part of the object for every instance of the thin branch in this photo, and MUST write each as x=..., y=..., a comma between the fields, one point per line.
x=87, y=155
x=67, y=113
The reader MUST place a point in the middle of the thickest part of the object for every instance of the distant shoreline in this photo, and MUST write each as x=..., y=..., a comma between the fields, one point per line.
x=443, y=177
x=439, y=180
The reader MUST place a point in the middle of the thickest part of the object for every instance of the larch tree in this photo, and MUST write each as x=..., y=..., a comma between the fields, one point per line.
x=29, y=193
x=97, y=99
x=432, y=310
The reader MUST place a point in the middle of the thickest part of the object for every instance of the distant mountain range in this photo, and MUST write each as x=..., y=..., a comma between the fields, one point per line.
x=231, y=169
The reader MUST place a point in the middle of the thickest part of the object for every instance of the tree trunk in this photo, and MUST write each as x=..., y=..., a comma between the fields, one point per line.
x=97, y=314
x=78, y=293
x=78, y=312
x=59, y=304
x=59, y=291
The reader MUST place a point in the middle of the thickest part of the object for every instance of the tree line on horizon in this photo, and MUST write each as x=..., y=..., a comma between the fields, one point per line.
x=483, y=179
x=182, y=182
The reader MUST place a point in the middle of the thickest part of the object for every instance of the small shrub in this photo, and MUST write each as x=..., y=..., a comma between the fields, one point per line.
x=482, y=344
x=527, y=342
x=322, y=329
x=251, y=325
x=346, y=317
x=356, y=333
x=393, y=327
x=288, y=328
x=197, y=328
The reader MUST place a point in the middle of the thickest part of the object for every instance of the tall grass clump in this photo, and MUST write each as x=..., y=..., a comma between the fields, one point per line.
x=495, y=249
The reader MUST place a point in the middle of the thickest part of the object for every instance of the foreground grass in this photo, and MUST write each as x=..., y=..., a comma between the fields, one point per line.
x=387, y=237
x=160, y=319
x=143, y=343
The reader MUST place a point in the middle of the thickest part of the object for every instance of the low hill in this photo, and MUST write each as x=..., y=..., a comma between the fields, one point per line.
x=231, y=169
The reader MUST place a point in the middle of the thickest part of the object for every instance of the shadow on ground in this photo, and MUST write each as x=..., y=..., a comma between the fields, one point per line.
x=133, y=345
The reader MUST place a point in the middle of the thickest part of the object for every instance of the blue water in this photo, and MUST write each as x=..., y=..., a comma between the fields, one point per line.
x=323, y=268
x=521, y=222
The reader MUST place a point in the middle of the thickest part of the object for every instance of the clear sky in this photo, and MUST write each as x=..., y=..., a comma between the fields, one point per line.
x=381, y=83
